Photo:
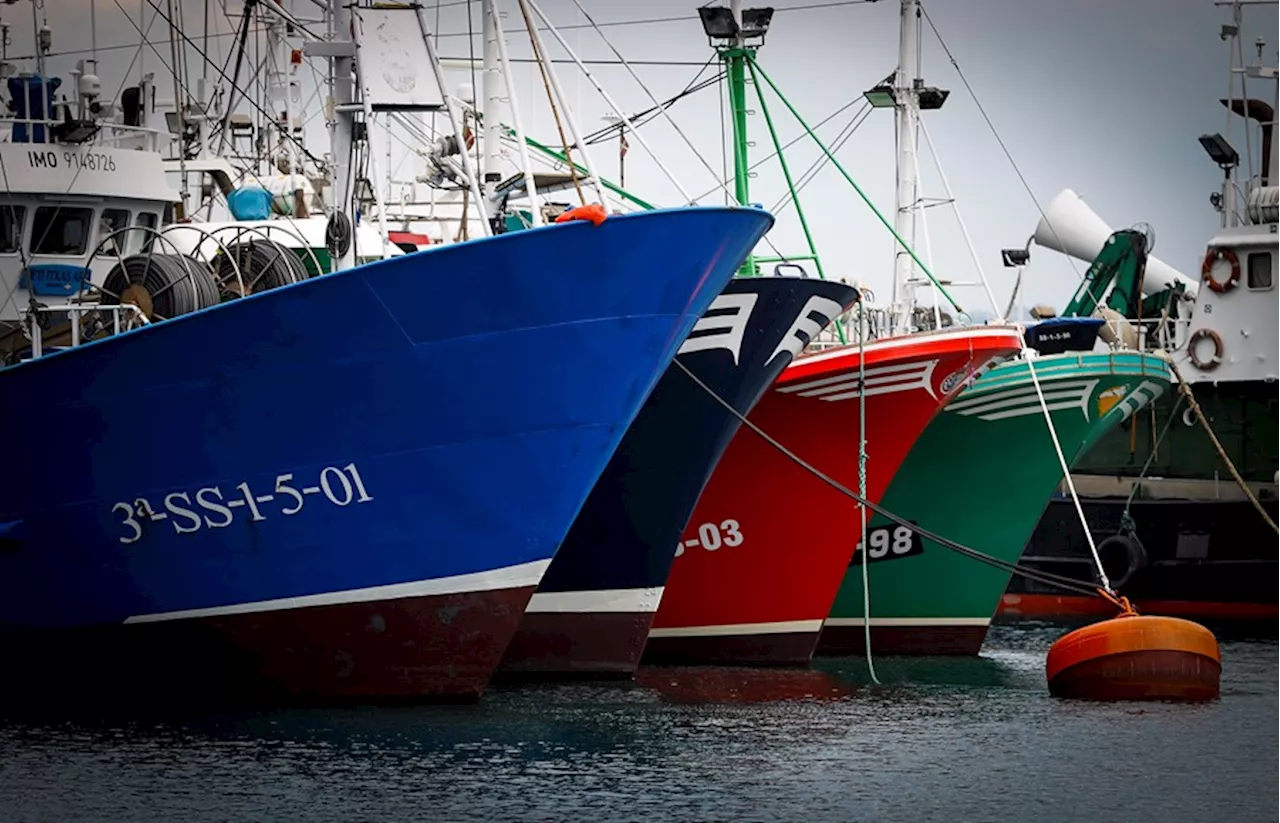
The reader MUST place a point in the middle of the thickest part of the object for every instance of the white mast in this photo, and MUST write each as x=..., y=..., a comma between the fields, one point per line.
x=535, y=205
x=340, y=67
x=492, y=103
x=907, y=109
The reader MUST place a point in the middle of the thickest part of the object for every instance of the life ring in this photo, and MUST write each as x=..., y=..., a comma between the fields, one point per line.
x=1218, y=348
x=1206, y=270
x=1124, y=546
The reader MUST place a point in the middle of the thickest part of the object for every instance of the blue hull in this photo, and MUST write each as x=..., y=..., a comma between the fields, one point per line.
x=593, y=609
x=419, y=431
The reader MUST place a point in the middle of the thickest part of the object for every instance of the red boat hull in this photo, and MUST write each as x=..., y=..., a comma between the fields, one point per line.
x=440, y=647
x=762, y=557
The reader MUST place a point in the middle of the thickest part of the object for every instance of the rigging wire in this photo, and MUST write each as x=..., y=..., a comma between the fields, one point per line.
x=259, y=109
x=785, y=146
x=1008, y=155
x=683, y=18
x=660, y=107
x=124, y=78
x=639, y=118
x=809, y=174
x=964, y=230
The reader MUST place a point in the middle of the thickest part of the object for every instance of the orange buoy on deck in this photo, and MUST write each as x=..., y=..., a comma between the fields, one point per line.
x=1136, y=657
x=592, y=211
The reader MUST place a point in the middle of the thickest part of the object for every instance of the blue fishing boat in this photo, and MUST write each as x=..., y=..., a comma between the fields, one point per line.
x=244, y=466
x=348, y=486
x=594, y=606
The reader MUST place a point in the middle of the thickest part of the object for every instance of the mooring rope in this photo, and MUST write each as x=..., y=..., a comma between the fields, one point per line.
x=1185, y=388
x=1047, y=578
x=1028, y=355
x=862, y=488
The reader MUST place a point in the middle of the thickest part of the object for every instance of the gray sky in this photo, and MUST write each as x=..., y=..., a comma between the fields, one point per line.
x=1103, y=96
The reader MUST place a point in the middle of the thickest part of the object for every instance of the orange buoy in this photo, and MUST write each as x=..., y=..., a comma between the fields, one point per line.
x=1136, y=657
x=593, y=212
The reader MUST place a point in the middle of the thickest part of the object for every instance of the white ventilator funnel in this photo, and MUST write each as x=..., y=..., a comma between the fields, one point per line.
x=1071, y=227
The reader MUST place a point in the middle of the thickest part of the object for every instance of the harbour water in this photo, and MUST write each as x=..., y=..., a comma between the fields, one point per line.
x=941, y=740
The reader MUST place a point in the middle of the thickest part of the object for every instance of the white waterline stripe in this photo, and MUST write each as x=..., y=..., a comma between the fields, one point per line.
x=509, y=577
x=604, y=600
x=909, y=621
x=784, y=627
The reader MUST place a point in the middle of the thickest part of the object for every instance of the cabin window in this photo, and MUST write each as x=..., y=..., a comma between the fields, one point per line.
x=1260, y=270
x=11, y=220
x=112, y=221
x=147, y=220
x=60, y=230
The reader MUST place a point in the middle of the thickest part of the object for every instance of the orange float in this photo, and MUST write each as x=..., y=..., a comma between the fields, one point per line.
x=592, y=211
x=1136, y=657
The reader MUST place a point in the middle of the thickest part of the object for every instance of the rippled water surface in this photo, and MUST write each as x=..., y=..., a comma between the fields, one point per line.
x=942, y=740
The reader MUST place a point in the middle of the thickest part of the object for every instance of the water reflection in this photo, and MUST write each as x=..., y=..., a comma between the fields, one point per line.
x=941, y=740
x=699, y=685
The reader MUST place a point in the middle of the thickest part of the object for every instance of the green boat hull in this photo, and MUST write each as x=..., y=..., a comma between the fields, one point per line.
x=981, y=474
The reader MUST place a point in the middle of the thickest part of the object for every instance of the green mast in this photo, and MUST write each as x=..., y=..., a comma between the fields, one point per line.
x=736, y=34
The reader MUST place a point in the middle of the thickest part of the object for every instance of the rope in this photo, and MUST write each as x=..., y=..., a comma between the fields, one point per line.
x=1047, y=578
x=1185, y=388
x=1173, y=415
x=1028, y=355
x=862, y=490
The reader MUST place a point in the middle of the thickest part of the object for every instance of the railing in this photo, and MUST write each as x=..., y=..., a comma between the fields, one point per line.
x=112, y=135
x=1161, y=333
x=31, y=321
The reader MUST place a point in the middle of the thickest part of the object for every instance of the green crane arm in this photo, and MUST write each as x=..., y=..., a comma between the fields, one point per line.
x=1121, y=262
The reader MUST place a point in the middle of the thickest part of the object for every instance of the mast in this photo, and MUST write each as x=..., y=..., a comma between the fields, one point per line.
x=907, y=110
x=340, y=68
x=735, y=61
x=491, y=112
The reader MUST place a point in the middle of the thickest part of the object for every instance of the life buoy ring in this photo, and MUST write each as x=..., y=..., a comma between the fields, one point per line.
x=1122, y=549
x=1218, y=348
x=1206, y=270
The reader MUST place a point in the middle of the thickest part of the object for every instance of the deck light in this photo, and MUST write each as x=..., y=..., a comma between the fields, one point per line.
x=1220, y=150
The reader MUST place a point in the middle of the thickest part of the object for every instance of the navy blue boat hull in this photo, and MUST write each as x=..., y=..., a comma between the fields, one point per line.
x=348, y=487
x=593, y=609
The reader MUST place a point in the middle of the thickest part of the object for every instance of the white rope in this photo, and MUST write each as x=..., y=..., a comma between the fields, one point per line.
x=616, y=108
x=964, y=230
x=1027, y=356
x=862, y=489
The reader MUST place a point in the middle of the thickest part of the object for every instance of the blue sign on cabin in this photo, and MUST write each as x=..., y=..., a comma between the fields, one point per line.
x=54, y=279
x=24, y=91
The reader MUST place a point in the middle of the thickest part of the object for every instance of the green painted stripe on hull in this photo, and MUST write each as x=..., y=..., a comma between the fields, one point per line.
x=982, y=474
